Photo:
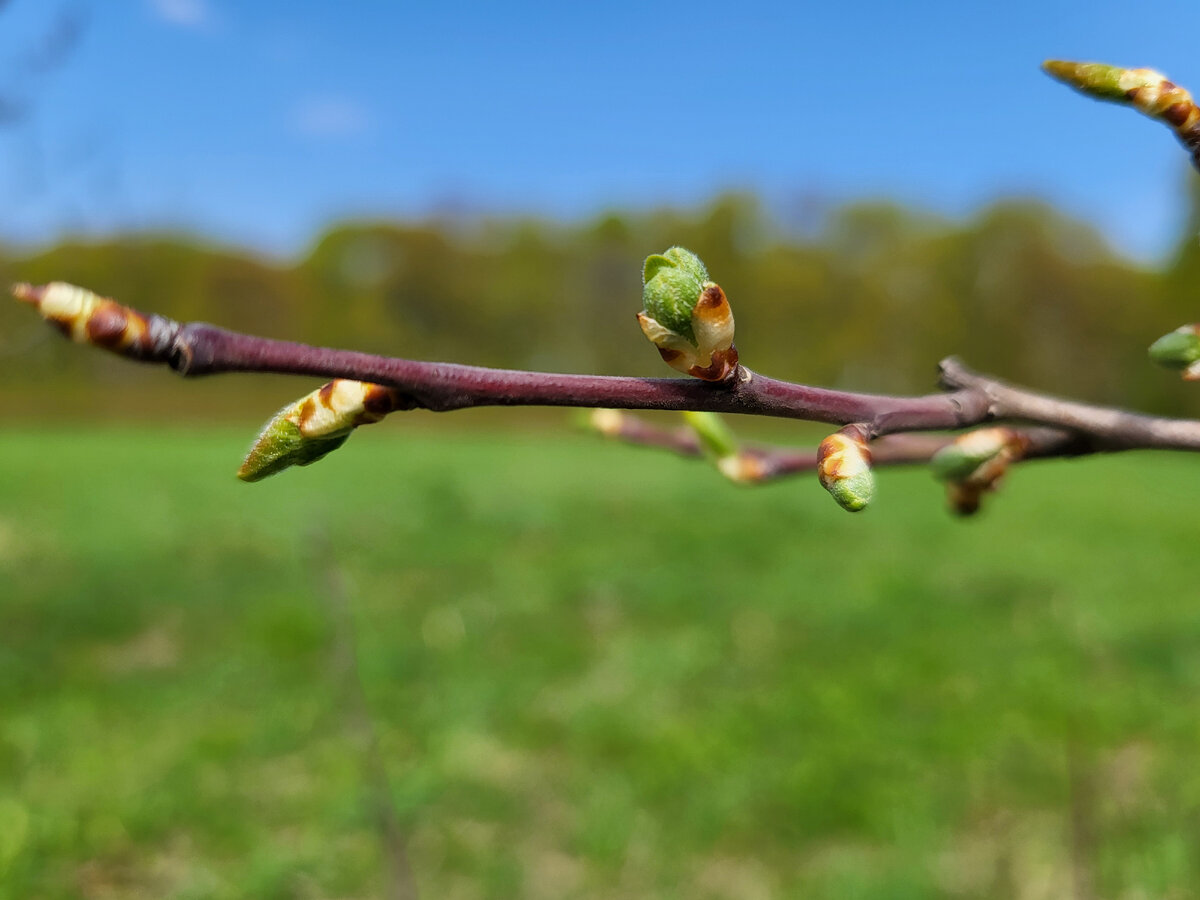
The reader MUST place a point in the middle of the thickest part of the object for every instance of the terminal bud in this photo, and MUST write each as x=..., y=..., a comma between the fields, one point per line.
x=1147, y=91
x=88, y=318
x=687, y=316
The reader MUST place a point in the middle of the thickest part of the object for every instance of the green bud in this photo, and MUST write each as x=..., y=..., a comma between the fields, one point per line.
x=1094, y=79
x=1149, y=92
x=844, y=469
x=854, y=492
x=687, y=317
x=970, y=453
x=673, y=283
x=1177, y=350
x=715, y=436
x=315, y=425
x=957, y=461
x=975, y=463
x=282, y=445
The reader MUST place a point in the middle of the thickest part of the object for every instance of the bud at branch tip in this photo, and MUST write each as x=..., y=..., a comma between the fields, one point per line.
x=1147, y=91
x=26, y=293
x=88, y=318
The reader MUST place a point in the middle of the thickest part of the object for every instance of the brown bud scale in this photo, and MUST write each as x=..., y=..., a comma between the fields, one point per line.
x=722, y=368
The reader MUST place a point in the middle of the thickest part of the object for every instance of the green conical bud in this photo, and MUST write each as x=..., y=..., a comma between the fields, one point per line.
x=1179, y=349
x=673, y=283
x=1149, y=92
x=315, y=425
x=1094, y=79
x=282, y=445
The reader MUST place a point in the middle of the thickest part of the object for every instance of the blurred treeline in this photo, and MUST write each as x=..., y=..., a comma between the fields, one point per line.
x=870, y=298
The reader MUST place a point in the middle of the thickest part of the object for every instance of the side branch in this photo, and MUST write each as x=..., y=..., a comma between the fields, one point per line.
x=778, y=462
x=972, y=398
x=1109, y=429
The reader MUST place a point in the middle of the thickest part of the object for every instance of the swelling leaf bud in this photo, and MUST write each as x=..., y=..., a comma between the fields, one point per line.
x=315, y=425
x=1147, y=91
x=687, y=316
x=957, y=461
x=672, y=284
x=1179, y=350
x=975, y=463
x=88, y=318
x=844, y=469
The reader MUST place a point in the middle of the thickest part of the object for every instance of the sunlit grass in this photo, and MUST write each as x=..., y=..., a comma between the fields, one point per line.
x=593, y=671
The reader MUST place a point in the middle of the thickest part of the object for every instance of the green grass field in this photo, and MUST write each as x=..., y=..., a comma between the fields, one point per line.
x=592, y=671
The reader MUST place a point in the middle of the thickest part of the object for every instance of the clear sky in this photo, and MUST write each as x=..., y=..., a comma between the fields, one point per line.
x=258, y=122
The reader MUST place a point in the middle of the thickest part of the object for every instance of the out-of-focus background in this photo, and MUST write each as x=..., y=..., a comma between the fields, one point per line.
x=485, y=655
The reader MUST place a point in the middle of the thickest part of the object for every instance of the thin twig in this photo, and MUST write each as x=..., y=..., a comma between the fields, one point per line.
x=1111, y=429
x=771, y=462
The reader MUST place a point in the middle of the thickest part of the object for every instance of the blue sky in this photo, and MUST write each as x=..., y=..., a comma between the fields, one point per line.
x=259, y=123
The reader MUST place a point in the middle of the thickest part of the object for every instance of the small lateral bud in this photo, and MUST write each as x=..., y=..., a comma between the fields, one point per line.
x=1179, y=350
x=608, y=422
x=844, y=468
x=742, y=468
x=1146, y=90
x=720, y=445
x=88, y=318
x=687, y=316
x=315, y=425
x=957, y=461
x=714, y=435
x=975, y=463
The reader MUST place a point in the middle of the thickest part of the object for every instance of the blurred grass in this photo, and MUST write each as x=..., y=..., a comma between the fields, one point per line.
x=594, y=672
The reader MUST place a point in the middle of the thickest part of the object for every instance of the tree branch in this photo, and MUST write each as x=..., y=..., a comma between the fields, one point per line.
x=1109, y=429
x=200, y=349
x=195, y=349
x=779, y=462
